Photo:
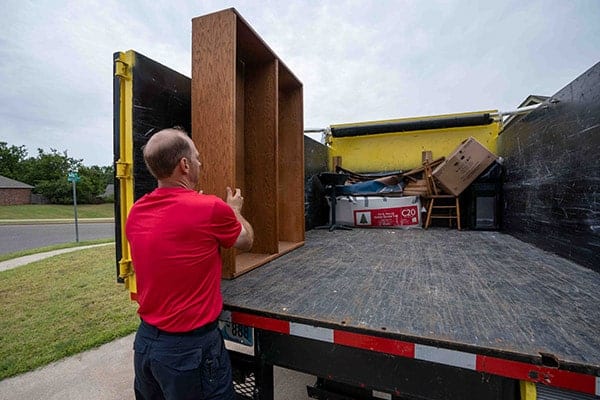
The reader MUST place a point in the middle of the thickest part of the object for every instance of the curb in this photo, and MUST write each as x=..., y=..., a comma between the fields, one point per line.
x=54, y=221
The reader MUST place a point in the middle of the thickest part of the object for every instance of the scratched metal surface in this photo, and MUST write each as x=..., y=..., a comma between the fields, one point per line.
x=481, y=291
x=553, y=172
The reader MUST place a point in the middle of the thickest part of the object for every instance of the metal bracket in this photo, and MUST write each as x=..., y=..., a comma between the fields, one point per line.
x=125, y=269
x=123, y=170
x=122, y=69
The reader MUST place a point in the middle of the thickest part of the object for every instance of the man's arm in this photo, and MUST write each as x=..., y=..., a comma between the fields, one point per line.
x=246, y=236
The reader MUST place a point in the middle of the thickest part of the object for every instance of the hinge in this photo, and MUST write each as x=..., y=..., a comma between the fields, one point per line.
x=125, y=270
x=122, y=69
x=123, y=170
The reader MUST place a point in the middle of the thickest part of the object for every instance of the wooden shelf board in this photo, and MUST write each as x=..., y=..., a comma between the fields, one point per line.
x=245, y=262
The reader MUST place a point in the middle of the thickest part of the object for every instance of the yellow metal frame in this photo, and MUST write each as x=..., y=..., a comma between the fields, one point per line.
x=402, y=150
x=124, y=166
x=528, y=390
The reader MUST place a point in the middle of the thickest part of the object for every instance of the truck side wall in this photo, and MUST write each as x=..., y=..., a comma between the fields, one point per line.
x=552, y=187
x=315, y=161
x=394, y=151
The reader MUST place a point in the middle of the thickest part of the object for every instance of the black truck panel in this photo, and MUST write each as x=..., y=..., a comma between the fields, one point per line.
x=553, y=172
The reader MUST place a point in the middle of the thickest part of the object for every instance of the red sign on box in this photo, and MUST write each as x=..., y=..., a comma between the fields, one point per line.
x=399, y=216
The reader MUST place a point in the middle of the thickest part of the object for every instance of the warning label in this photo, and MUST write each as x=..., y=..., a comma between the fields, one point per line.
x=399, y=216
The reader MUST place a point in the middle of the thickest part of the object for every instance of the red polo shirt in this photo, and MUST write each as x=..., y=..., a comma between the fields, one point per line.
x=175, y=235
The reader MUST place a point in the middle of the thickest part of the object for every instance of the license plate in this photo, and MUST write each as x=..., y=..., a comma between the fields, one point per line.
x=237, y=333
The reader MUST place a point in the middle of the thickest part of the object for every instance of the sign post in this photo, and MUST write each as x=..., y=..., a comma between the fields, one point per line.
x=74, y=178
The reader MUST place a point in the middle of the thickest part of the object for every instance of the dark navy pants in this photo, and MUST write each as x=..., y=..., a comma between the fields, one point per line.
x=178, y=367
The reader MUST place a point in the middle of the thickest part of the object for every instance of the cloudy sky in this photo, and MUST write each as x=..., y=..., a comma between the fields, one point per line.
x=358, y=60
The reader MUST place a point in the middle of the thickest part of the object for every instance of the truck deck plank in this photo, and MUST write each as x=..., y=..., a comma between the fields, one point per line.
x=484, y=292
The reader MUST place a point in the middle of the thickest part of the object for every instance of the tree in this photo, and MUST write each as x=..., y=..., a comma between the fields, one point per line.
x=93, y=182
x=49, y=167
x=56, y=191
x=109, y=174
x=11, y=158
x=48, y=171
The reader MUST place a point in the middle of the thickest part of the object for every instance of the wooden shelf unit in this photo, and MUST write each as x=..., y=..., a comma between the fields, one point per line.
x=247, y=123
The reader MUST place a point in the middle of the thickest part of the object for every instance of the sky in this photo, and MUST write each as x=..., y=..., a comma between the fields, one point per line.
x=357, y=60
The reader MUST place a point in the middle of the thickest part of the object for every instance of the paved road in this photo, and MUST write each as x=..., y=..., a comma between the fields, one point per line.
x=23, y=237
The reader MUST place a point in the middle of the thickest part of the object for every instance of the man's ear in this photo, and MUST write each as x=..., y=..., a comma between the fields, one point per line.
x=184, y=164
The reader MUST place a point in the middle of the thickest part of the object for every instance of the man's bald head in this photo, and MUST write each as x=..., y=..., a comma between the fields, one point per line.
x=165, y=149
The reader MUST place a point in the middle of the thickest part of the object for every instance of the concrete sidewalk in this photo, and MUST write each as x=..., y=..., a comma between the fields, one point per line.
x=17, y=262
x=54, y=221
x=104, y=373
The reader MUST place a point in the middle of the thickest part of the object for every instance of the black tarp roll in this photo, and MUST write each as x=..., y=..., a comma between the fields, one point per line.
x=406, y=126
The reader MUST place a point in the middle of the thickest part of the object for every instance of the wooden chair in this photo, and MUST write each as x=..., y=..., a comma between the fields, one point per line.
x=447, y=204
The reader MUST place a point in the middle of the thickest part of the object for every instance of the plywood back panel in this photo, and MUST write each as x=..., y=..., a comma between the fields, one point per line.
x=251, y=47
x=261, y=155
x=291, y=166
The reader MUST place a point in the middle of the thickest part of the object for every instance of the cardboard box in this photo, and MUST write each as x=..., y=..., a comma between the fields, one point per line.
x=463, y=166
x=379, y=211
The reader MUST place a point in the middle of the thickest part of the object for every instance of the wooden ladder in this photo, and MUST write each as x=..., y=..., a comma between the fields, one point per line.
x=438, y=201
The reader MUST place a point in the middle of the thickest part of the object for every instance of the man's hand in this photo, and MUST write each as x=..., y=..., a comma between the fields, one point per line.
x=246, y=237
x=235, y=200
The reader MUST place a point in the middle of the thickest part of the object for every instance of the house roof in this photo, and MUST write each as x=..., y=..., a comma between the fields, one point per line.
x=530, y=100
x=110, y=190
x=7, y=183
x=533, y=99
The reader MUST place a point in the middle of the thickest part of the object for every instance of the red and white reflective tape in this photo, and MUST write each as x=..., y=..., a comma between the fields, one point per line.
x=496, y=366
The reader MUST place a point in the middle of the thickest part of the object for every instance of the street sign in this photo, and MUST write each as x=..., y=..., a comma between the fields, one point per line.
x=73, y=177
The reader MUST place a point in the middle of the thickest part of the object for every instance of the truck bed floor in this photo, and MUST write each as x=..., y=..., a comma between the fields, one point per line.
x=471, y=290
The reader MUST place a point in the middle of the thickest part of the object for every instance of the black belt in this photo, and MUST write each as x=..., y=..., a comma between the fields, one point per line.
x=194, y=332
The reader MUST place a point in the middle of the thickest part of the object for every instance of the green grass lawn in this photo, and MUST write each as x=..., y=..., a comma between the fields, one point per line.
x=50, y=211
x=21, y=253
x=61, y=306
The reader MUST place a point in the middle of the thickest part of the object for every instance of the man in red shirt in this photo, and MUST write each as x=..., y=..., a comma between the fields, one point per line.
x=175, y=234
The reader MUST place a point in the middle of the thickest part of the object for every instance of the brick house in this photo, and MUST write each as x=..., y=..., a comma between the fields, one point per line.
x=14, y=192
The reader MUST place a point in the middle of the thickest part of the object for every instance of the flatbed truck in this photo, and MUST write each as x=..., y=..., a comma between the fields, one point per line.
x=415, y=314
